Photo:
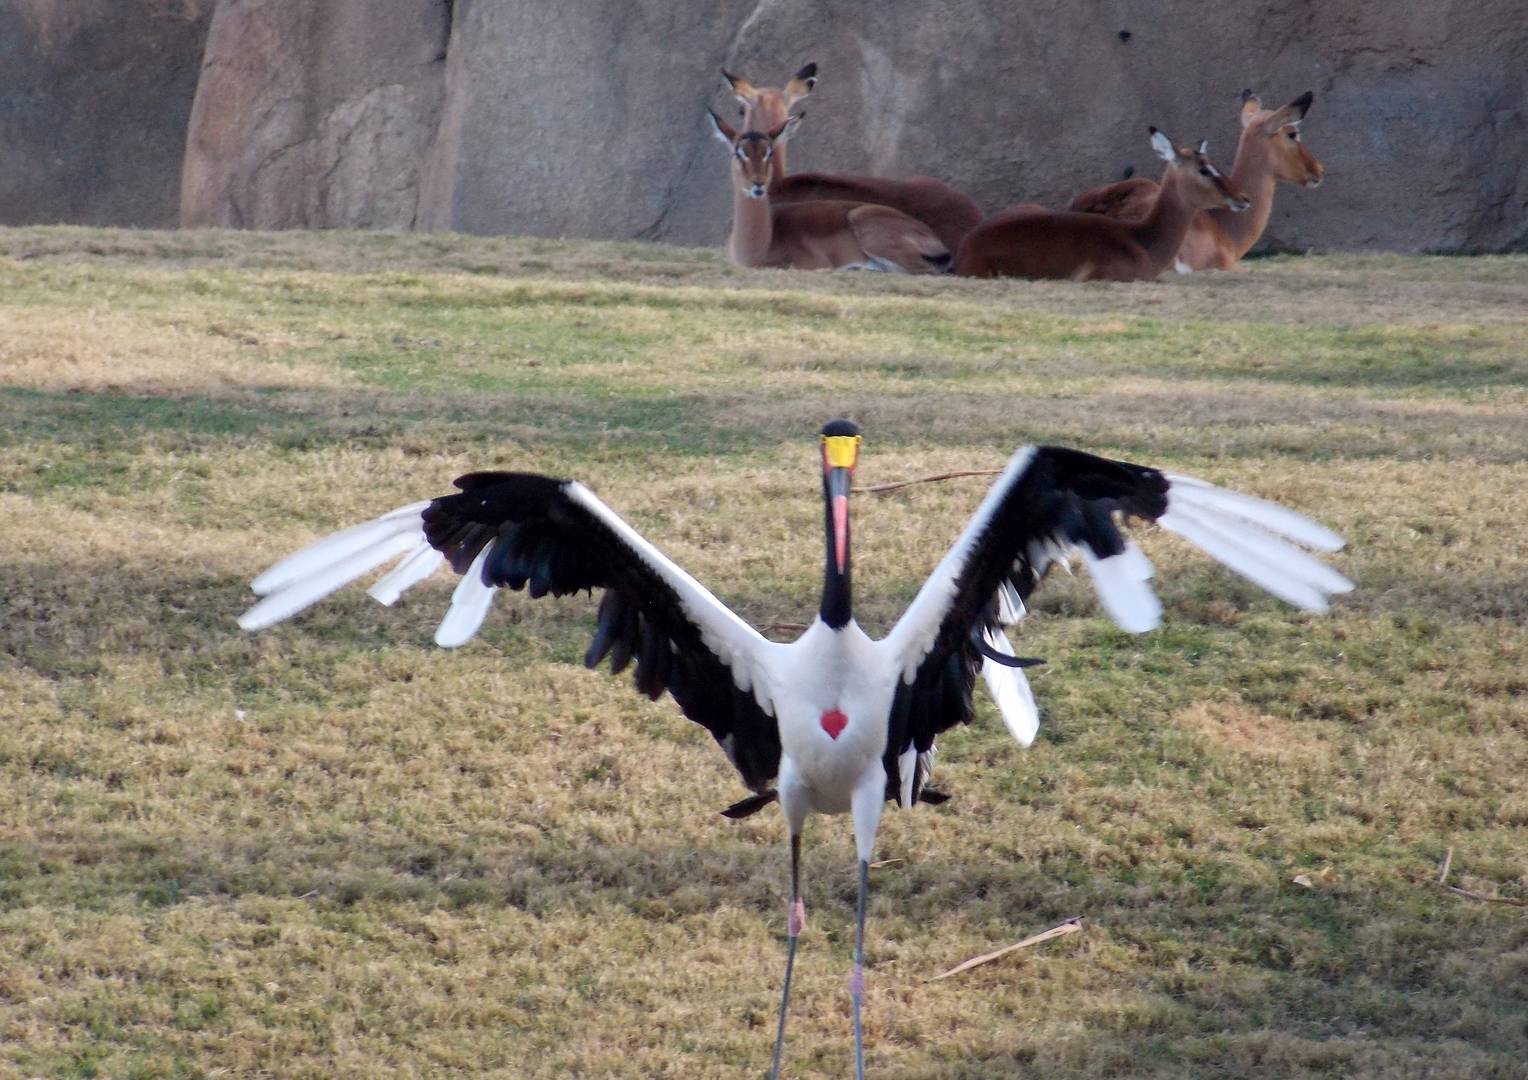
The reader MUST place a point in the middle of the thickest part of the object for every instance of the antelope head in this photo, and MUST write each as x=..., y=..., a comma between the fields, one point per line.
x=763, y=109
x=753, y=153
x=1203, y=186
x=1277, y=132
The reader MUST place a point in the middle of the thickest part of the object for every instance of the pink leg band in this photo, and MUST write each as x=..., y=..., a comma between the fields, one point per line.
x=797, y=918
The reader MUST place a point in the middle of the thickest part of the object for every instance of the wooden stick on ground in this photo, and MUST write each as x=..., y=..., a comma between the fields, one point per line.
x=876, y=489
x=1514, y=901
x=1071, y=926
x=1448, y=861
x=785, y=627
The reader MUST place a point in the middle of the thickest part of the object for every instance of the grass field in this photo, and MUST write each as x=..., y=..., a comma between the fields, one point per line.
x=332, y=850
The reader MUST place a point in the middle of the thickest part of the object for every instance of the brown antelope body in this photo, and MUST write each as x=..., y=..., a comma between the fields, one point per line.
x=819, y=235
x=949, y=213
x=1269, y=150
x=1032, y=242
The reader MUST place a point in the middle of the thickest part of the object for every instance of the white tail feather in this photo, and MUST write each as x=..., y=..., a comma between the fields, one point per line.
x=469, y=606
x=323, y=580
x=1125, y=595
x=1187, y=491
x=1233, y=555
x=338, y=546
x=420, y=564
x=1010, y=690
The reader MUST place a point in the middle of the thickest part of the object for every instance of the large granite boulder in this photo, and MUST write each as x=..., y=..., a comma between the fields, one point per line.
x=590, y=124
x=586, y=119
x=94, y=96
x=315, y=115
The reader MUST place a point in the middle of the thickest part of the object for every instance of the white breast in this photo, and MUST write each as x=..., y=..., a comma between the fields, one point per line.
x=822, y=672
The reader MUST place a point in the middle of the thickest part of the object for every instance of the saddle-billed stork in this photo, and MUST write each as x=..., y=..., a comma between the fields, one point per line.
x=834, y=721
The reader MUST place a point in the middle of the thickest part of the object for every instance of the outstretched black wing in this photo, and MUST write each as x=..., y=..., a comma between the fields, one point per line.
x=1052, y=502
x=544, y=535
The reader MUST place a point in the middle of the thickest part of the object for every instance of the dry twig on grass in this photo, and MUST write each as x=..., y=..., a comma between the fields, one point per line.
x=1448, y=861
x=784, y=627
x=876, y=489
x=1070, y=926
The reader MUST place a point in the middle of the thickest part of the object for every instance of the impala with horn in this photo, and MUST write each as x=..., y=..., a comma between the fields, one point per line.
x=1032, y=242
x=1269, y=150
x=948, y=212
x=820, y=234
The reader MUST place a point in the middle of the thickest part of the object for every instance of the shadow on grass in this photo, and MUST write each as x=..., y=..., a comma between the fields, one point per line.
x=1146, y=425
x=1180, y=975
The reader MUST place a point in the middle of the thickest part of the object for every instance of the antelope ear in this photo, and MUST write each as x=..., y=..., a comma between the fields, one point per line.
x=741, y=88
x=1204, y=146
x=801, y=85
x=1251, y=106
x=1163, y=147
x=720, y=129
x=782, y=134
x=1292, y=113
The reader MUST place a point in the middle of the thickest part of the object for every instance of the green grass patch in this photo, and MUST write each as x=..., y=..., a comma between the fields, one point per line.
x=334, y=850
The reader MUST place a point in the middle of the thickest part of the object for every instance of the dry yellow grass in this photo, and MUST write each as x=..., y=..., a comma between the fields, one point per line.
x=332, y=850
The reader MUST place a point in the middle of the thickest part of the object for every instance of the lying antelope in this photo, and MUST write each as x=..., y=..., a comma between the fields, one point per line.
x=817, y=235
x=939, y=206
x=1032, y=242
x=1269, y=150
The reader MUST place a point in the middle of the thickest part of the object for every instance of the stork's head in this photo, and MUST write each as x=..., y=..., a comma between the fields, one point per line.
x=840, y=453
x=840, y=449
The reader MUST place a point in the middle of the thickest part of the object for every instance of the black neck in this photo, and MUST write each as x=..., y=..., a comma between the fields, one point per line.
x=836, y=599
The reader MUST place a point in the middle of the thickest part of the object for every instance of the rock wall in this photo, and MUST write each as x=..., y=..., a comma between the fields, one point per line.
x=94, y=97
x=590, y=124
x=315, y=115
x=586, y=118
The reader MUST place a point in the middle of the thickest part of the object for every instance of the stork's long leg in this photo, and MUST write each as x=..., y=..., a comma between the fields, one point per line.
x=857, y=980
x=794, y=925
x=868, y=799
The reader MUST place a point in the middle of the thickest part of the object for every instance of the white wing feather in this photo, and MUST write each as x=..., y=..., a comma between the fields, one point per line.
x=1186, y=491
x=421, y=563
x=1122, y=590
x=295, y=594
x=469, y=606
x=1010, y=690
x=339, y=546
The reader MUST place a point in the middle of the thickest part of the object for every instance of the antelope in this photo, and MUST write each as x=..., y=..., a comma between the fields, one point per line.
x=820, y=234
x=1269, y=150
x=1032, y=242
x=948, y=212
x=764, y=109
